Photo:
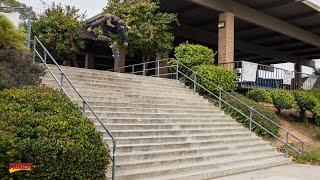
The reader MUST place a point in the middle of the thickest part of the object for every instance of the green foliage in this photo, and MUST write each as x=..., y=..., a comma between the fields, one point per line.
x=11, y=38
x=315, y=92
x=41, y=126
x=193, y=55
x=310, y=157
x=218, y=77
x=317, y=71
x=17, y=69
x=260, y=95
x=150, y=31
x=58, y=28
x=316, y=113
x=256, y=117
x=306, y=101
x=283, y=100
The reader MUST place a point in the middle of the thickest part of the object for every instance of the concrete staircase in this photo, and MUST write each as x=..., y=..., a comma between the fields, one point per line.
x=166, y=131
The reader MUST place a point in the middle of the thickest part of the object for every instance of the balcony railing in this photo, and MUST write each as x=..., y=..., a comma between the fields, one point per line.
x=252, y=75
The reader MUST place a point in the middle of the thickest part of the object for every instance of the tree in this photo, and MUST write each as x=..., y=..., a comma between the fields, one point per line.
x=150, y=32
x=58, y=28
x=317, y=71
x=11, y=38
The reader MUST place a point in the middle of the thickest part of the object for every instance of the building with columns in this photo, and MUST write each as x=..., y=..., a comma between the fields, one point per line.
x=261, y=31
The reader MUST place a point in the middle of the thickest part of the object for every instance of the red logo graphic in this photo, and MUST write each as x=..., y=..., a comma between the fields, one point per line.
x=13, y=167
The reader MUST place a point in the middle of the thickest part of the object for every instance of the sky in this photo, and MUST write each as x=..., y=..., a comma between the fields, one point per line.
x=93, y=7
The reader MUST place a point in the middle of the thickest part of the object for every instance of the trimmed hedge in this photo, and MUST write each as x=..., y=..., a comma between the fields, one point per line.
x=41, y=126
x=258, y=118
x=306, y=101
x=283, y=100
x=260, y=95
x=194, y=55
x=219, y=76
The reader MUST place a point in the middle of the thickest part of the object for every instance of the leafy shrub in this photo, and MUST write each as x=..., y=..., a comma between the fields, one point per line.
x=10, y=36
x=260, y=95
x=283, y=100
x=315, y=92
x=17, y=69
x=256, y=117
x=219, y=76
x=306, y=101
x=316, y=113
x=41, y=126
x=194, y=55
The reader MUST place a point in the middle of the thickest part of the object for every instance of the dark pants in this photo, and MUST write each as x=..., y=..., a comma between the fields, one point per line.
x=117, y=30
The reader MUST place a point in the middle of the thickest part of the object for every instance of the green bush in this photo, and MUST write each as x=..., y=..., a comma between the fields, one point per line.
x=256, y=117
x=219, y=76
x=316, y=113
x=283, y=100
x=41, y=126
x=260, y=95
x=17, y=69
x=310, y=157
x=306, y=101
x=194, y=55
x=316, y=93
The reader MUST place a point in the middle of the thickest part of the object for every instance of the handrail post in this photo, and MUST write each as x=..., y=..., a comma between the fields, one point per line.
x=61, y=81
x=302, y=147
x=177, y=70
x=83, y=106
x=133, y=69
x=45, y=57
x=113, y=160
x=144, y=69
x=194, y=83
x=220, y=96
x=34, y=50
x=286, y=150
x=250, y=120
x=158, y=68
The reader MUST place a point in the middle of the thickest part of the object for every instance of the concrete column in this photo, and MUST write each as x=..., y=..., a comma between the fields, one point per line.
x=162, y=64
x=122, y=62
x=89, y=61
x=226, y=38
x=298, y=75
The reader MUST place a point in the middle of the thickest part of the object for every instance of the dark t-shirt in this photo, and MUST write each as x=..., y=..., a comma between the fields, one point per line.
x=115, y=20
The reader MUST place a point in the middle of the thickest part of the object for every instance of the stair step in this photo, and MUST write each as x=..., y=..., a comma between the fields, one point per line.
x=165, y=132
x=165, y=161
x=111, y=79
x=154, y=110
x=225, y=170
x=180, y=145
x=167, y=126
x=200, y=166
x=116, y=120
x=218, y=148
x=180, y=138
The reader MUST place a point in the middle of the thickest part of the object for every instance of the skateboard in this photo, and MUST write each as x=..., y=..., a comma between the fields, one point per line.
x=115, y=51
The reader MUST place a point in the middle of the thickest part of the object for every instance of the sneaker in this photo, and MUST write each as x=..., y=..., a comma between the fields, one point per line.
x=125, y=44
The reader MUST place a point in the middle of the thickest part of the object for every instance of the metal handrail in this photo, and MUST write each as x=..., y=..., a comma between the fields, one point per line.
x=84, y=102
x=220, y=98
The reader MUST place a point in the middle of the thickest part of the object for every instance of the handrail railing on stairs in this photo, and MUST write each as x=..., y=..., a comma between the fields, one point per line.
x=61, y=85
x=144, y=69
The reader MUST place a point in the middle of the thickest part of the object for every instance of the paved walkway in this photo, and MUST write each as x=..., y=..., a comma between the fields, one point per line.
x=288, y=172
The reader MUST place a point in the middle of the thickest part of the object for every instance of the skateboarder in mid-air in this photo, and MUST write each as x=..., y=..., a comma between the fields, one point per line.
x=111, y=24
